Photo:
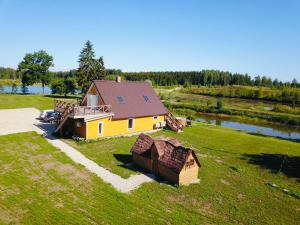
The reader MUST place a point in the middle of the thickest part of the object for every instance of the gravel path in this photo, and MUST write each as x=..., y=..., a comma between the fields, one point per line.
x=24, y=120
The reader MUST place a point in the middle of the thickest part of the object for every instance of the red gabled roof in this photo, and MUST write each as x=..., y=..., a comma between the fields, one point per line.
x=133, y=94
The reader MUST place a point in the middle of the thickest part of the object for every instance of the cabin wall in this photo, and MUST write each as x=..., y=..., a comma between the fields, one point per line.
x=189, y=174
x=168, y=174
x=120, y=127
x=141, y=161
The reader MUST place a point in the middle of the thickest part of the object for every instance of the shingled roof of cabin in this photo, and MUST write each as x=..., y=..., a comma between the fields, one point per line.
x=142, y=144
x=130, y=99
x=170, y=153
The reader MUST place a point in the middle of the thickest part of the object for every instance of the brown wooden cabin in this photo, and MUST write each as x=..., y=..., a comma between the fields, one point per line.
x=167, y=159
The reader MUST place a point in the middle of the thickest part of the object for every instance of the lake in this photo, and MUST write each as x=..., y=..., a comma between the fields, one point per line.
x=34, y=89
x=274, y=131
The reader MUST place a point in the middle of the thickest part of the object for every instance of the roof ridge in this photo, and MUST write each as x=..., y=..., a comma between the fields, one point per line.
x=123, y=81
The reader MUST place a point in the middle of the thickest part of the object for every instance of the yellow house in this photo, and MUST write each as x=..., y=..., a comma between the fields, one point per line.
x=115, y=108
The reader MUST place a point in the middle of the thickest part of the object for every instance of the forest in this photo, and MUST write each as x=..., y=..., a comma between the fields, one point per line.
x=206, y=78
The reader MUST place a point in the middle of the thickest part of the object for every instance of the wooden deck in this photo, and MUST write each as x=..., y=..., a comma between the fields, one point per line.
x=76, y=110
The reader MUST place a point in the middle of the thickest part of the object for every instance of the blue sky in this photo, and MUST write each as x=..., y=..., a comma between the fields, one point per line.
x=259, y=37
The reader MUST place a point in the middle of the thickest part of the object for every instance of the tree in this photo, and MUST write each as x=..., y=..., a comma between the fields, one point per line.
x=14, y=88
x=89, y=67
x=257, y=81
x=35, y=68
x=294, y=83
x=219, y=103
x=63, y=86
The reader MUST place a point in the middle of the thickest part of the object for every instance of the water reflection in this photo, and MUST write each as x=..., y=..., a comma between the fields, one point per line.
x=265, y=130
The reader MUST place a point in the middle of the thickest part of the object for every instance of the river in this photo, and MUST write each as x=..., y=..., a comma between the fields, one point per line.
x=34, y=89
x=283, y=131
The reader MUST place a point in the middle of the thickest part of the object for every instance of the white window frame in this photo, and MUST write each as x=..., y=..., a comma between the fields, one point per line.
x=155, y=117
x=132, y=124
x=100, y=134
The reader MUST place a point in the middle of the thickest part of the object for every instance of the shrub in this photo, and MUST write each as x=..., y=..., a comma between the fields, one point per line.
x=219, y=104
x=63, y=86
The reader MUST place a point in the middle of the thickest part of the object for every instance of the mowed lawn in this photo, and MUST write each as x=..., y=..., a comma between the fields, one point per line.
x=41, y=102
x=245, y=178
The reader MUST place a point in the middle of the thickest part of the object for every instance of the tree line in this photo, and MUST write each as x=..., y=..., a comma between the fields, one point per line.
x=206, y=78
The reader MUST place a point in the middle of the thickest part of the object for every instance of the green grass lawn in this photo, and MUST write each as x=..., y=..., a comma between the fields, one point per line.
x=237, y=174
x=13, y=101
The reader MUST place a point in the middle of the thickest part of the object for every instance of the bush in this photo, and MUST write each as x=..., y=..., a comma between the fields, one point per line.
x=63, y=86
x=219, y=104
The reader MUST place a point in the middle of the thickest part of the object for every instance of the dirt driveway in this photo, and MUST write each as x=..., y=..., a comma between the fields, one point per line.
x=18, y=120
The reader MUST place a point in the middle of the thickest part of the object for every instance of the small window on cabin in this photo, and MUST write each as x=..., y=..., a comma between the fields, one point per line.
x=121, y=99
x=190, y=163
x=146, y=98
x=155, y=117
x=130, y=123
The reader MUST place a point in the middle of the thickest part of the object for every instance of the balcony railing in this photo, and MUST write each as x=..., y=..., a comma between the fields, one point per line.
x=77, y=110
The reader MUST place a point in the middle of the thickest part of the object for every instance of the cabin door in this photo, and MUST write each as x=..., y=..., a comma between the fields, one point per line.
x=155, y=165
x=92, y=100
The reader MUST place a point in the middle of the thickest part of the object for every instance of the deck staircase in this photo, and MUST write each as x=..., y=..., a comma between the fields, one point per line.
x=173, y=123
x=63, y=117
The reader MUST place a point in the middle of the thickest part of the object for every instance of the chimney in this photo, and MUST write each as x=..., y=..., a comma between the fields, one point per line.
x=118, y=79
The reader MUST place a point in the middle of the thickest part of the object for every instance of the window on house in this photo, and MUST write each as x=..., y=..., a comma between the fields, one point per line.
x=121, y=99
x=155, y=117
x=130, y=123
x=100, y=128
x=146, y=98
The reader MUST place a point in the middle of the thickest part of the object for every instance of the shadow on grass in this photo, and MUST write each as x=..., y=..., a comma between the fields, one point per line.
x=62, y=96
x=126, y=162
x=48, y=129
x=276, y=163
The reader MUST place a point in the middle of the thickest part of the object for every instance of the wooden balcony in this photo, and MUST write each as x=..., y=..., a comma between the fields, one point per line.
x=75, y=110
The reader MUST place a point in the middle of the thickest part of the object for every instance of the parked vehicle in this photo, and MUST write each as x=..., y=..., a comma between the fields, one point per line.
x=44, y=113
x=51, y=117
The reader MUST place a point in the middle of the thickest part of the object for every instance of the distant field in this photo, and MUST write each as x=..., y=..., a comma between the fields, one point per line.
x=251, y=108
x=10, y=82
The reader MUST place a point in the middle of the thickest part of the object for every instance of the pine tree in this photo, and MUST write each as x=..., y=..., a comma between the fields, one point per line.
x=89, y=67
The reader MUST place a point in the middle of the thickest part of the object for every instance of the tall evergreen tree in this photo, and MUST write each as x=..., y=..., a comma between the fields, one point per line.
x=89, y=67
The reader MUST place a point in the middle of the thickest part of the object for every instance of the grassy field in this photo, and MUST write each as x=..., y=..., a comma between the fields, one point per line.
x=245, y=179
x=13, y=101
x=10, y=82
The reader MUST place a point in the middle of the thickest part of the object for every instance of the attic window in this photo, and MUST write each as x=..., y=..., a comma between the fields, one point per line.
x=190, y=163
x=121, y=99
x=146, y=98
